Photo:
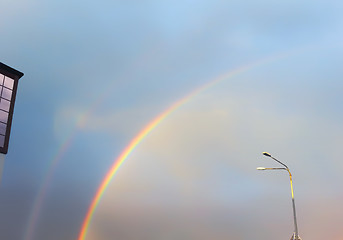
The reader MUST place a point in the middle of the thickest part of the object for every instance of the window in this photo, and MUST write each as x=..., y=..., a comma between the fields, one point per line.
x=8, y=86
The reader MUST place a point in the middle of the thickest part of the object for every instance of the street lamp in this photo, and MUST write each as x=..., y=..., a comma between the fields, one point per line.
x=295, y=235
x=8, y=89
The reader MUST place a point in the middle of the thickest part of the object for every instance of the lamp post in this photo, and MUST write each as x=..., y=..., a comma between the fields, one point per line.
x=8, y=89
x=295, y=235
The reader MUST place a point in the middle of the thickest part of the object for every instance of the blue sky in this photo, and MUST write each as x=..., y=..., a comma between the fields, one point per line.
x=103, y=70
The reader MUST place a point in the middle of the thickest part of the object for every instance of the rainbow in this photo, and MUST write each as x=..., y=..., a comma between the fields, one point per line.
x=33, y=218
x=65, y=145
x=151, y=126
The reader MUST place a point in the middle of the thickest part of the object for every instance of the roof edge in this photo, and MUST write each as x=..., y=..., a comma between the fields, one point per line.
x=10, y=71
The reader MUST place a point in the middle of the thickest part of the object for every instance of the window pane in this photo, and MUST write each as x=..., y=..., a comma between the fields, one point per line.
x=1, y=79
x=9, y=82
x=6, y=93
x=3, y=116
x=2, y=140
x=4, y=105
x=2, y=129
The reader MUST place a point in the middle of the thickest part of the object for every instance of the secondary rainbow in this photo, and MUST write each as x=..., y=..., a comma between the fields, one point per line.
x=66, y=145
x=33, y=217
x=147, y=129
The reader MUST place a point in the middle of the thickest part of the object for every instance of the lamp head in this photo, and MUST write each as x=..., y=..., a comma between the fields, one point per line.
x=266, y=154
x=260, y=168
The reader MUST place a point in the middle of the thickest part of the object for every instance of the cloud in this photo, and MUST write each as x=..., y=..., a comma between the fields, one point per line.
x=108, y=68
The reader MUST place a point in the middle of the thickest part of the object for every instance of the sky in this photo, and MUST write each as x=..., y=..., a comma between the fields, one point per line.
x=254, y=76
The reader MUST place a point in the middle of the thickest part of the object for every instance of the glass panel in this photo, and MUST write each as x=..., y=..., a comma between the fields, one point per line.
x=4, y=105
x=3, y=116
x=9, y=82
x=6, y=93
x=3, y=129
x=2, y=140
x=1, y=79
